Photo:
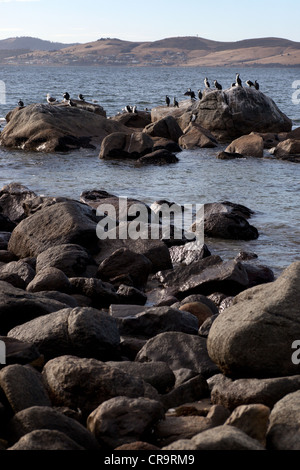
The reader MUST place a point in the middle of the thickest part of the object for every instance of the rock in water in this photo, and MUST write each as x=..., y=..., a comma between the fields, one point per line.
x=254, y=337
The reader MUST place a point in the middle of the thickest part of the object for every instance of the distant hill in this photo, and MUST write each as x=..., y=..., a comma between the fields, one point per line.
x=177, y=51
x=30, y=44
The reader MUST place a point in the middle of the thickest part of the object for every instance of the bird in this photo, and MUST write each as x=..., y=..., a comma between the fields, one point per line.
x=238, y=81
x=134, y=109
x=193, y=117
x=167, y=101
x=217, y=85
x=206, y=83
x=176, y=105
x=21, y=104
x=249, y=83
x=81, y=97
x=50, y=99
x=200, y=95
x=66, y=96
x=256, y=84
x=128, y=109
x=190, y=93
x=71, y=103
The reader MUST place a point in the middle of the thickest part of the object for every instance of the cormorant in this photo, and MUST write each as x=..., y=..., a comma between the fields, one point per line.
x=176, y=105
x=191, y=94
x=128, y=109
x=81, y=97
x=256, y=84
x=217, y=85
x=167, y=101
x=249, y=83
x=21, y=104
x=206, y=83
x=66, y=96
x=238, y=81
x=200, y=95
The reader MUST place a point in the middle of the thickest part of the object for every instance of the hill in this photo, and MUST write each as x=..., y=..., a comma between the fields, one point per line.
x=177, y=51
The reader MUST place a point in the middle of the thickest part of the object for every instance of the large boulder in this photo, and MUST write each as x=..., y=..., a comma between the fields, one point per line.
x=255, y=336
x=166, y=127
x=232, y=113
x=58, y=128
x=126, y=145
x=12, y=198
x=248, y=145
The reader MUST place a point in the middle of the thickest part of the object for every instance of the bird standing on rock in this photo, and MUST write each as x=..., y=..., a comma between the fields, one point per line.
x=190, y=93
x=206, y=83
x=256, y=84
x=176, y=104
x=200, y=95
x=238, y=81
x=81, y=97
x=21, y=104
x=66, y=96
x=217, y=85
x=168, y=101
x=50, y=100
x=249, y=83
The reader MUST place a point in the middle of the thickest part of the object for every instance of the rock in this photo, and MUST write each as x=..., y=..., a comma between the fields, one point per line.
x=179, y=350
x=121, y=420
x=48, y=128
x=84, y=332
x=202, y=299
x=158, y=157
x=49, y=279
x=251, y=145
x=234, y=393
x=229, y=155
x=205, y=277
x=199, y=310
x=283, y=431
x=85, y=383
x=46, y=418
x=254, y=336
x=21, y=268
x=137, y=120
x=137, y=446
x=195, y=136
x=18, y=306
x=252, y=420
x=66, y=299
x=45, y=440
x=189, y=391
x=166, y=127
x=206, y=326
x=125, y=145
x=101, y=294
x=160, y=143
x=157, y=374
x=219, y=438
x=154, y=320
x=7, y=256
x=125, y=262
x=6, y=225
x=15, y=379
x=62, y=223
x=131, y=296
x=188, y=253
x=230, y=227
x=12, y=198
x=287, y=148
x=73, y=260
x=20, y=352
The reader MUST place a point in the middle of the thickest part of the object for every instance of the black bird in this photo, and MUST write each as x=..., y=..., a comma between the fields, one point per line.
x=200, y=95
x=81, y=97
x=21, y=104
x=128, y=109
x=191, y=94
x=134, y=109
x=256, y=84
x=217, y=85
x=176, y=105
x=249, y=83
x=206, y=83
x=168, y=101
x=66, y=96
x=238, y=81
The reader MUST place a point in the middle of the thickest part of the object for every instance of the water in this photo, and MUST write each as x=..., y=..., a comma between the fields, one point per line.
x=271, y=188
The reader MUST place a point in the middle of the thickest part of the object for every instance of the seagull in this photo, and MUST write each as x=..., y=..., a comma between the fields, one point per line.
x=200, y=94
x=217, y=85
x=50, y=99
x=206, y=83
x=176, y=105
x=256, y=84
x=249, y=83
x=21, y=104
x=167, y=101
x=238, y=81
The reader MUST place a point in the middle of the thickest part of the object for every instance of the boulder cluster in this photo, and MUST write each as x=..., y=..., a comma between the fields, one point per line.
x=246, y=117
x=144, y=344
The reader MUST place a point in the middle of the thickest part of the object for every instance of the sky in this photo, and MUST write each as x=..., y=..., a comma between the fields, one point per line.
x=82, y=21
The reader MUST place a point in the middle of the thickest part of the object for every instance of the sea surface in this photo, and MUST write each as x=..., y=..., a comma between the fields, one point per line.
x=270, y=188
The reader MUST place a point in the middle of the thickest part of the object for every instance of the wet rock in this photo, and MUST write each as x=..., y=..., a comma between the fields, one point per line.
x=179, y=350
x=287, y=148
x=126, y=146
x=230, y=227
x=224, y=155
x=158, y=157
x=195, y=136
x=166, y=127
x=251, y=145
x=14, y=379
x=83, y=332
x=254, y=336
x=188, y=253
x=121, y=420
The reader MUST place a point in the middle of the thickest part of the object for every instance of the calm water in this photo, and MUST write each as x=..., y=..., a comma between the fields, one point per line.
x=270, y=188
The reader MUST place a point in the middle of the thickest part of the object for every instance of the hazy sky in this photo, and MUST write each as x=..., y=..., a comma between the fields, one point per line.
x=139, y=20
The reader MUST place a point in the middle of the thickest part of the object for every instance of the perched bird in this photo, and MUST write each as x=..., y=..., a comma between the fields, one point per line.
x=238, y=81
x=217, y=85
x=206, y=83
x=21, y=104
x=50, y=100
x=176, y=105
x=190, y=93
x=81, y=97
x=134, y=109
x=128, y=109
x=200, y=95
x=168, y=101
x=249, y=83
x=256, y=84
x=66, y=96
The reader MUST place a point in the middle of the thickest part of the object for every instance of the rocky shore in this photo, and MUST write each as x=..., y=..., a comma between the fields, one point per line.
x=155, y=345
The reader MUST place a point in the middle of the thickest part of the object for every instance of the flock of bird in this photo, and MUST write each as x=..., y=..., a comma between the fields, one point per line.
x=133, y=109
x=218, y=86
